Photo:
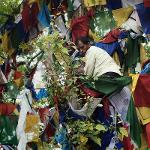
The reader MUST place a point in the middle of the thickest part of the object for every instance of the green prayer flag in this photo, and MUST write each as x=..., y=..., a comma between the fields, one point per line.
x=135, y=127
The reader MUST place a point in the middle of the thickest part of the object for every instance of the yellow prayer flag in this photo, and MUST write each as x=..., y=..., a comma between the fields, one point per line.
x=121, y=15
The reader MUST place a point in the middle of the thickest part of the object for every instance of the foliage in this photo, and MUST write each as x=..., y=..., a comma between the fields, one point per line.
x=8, y=7
x=81, y=131
x=57, y=62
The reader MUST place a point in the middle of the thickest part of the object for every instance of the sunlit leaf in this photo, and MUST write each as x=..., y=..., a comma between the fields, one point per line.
x=100, y=127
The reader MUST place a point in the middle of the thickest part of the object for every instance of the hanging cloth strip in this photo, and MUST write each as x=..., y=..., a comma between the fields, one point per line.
x=146, y=3
x=29, y=16
x=18, y=35
x=118, y=13
x=26, y=102
x=114, y=5
x=90, y=3
x=142, y=91
x=88, y=108
x=144, y=16
x=80, y=26
x=133, y=51
x=112, y=36
x=135, y=126
x=8, y=129
x=106, y=85
x=126, y=3
x=133, y=23
x=44, y=15
x=26, y=17
x=7, y=109
x=121, y=102
x=102, y=22
x=3, y=79
x=111, y=48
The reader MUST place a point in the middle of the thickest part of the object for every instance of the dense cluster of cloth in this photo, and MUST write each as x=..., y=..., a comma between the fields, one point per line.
x=119, y=104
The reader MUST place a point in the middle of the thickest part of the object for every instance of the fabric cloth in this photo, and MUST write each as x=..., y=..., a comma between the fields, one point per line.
x=44, y=15
x=112, y=36
x=32, y=127
x=148, y=134
x=80, y=26
x=6, y=69
x=135, y=127
x=111, y=48
x=26, y=102
x=107, y=85
x=127, y=145
x=134, y=81
x=112, y=5
x=143, y=55
x=6, y=44
x=118, y=13
x=29, y=16
x=143, y=114
x=144, y=16
x=26, y=17
x=7, y=109
x=126, y=3
x=133, y=51
x=146, y=69
x=18, y=35
x=85, y=110
x=99, y=62
x=42, y=93
x=61, y=26
x=102, y=22
x=89, y=91
x=3, y=79
x=90, y=3
x=142, y=91
x=34, y=14
x=72, y=6
x=62, y=139
x=121, y=102
x=146, y=3
x=8, y=126
x=133, y=23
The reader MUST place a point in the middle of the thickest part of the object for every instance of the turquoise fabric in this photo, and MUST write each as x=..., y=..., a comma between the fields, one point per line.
x=44, y=15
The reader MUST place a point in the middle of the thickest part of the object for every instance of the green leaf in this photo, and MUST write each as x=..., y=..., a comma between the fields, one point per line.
x=123, y=132
x=96, y=140
x=100, y=127
x=65, y=51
